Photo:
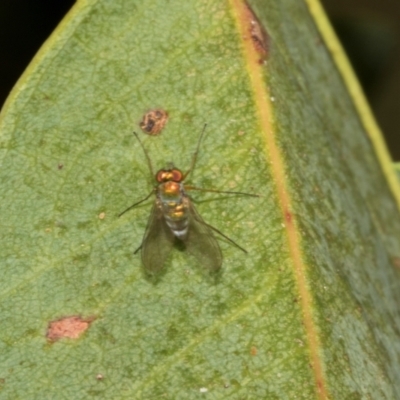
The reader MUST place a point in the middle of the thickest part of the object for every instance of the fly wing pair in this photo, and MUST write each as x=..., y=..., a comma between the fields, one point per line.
x=158, y=241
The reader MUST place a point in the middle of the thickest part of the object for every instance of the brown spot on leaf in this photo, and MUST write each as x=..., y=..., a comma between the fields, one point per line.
x=102, y=215
x=257, y=33
x=396, y=262
x=288, y=217
x=154, y=121
x=60, y=166
x=68, y=327
x=253, y=351
x=100, y=377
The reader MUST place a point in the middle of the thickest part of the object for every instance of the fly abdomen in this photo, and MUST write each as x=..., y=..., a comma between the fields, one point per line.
x=178, y=227
x=174, y=206
x=176, y=217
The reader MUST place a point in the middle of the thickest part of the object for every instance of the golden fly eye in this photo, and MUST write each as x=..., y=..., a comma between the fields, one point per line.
x=161, y=176
x=176, y=175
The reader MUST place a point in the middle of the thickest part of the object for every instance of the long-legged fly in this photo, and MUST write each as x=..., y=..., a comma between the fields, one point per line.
x=174, y=219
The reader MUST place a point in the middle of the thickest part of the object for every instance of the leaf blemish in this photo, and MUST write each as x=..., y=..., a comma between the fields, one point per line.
x=68, y=327
x=257, y=34
x=288, y=217
x=154, y=121
x=396, y=262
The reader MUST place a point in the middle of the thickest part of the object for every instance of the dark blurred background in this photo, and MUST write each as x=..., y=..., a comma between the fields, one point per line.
x=369, y=31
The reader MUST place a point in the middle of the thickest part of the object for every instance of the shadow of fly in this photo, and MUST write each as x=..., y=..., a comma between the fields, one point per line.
x=174, y=219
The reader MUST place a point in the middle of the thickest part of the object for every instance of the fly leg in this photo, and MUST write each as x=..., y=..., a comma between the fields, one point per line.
x=139, y=248
x=188, y=187
x=195, y=154
x=136, y=204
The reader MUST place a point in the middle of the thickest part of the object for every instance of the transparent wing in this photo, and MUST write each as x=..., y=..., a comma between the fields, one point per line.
x=157, y=242
x=202, y=243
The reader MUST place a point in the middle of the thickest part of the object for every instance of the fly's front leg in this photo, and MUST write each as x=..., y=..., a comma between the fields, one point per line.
x=137, y=203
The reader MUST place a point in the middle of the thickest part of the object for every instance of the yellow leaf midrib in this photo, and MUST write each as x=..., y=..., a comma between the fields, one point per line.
x=262, y=102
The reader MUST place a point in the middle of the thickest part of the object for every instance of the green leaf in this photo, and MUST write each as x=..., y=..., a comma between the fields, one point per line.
x=397, y=168
x=310, y=312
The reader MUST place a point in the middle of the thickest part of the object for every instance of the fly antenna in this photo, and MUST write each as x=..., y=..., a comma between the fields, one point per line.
x=194, y=158
x=147, y=156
